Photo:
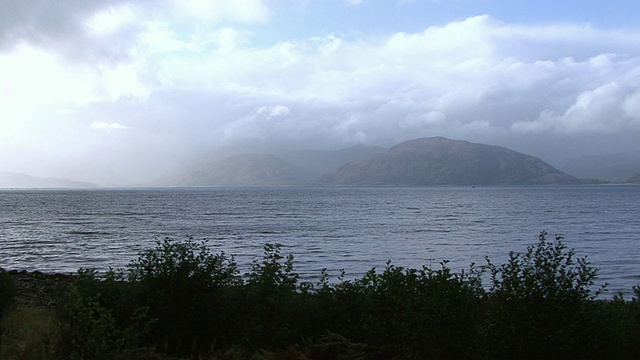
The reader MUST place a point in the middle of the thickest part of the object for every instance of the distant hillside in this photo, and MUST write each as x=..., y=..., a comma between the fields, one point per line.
x=243, y=170
x=441, y=161
x=613, y=167
x=322, y=161
x=14, y=180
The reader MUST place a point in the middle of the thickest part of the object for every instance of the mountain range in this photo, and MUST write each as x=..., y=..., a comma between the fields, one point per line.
x=424, y=161
x=418, y=162
x=441, y=161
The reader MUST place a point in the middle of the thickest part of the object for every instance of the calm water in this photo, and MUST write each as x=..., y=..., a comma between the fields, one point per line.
x=350, y=228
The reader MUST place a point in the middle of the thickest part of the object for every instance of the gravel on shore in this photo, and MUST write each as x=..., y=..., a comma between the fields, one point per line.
x=38, y=289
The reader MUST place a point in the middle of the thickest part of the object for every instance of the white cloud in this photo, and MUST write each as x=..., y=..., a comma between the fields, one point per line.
x=631, y=106
x=455, y=79
x=31, y=76
x=609, y=108
x=423, y=120
x=188, y=73
x=102, y=125
x=111, y=20
x=244, y=11
x=274, y=111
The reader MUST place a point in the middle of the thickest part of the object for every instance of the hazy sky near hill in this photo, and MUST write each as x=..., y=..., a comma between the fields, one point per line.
x=123, y=90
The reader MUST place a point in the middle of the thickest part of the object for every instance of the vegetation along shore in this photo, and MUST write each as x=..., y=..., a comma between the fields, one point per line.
x=180, y=301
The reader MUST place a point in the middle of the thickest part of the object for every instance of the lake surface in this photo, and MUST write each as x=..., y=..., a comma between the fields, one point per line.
x=324, y=227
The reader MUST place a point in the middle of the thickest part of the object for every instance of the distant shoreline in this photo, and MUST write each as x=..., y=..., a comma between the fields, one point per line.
x=141, y=187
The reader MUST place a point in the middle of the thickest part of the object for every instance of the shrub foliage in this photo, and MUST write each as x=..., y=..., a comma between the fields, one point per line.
x=538, y=304
x=7, y=290
x=181, y=300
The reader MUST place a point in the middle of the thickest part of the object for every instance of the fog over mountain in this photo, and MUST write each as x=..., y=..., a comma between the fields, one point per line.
x=13, y=180
x=418, y=162
x=122, y=92
x=242, y=170
x=619, y=168
x=320, y=162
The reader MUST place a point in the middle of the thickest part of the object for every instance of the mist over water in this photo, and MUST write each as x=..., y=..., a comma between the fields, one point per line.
x=324, y=227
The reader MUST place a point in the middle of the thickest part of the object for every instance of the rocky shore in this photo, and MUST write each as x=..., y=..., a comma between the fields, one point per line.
x=37, y=289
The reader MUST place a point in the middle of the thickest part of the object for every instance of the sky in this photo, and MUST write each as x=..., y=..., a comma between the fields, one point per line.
x=121, y=92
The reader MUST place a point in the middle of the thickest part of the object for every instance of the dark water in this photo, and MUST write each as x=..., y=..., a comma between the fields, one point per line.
x=350, y=228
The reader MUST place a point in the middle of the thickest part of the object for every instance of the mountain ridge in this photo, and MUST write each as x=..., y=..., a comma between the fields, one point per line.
x=442, y=161
x=417, y=162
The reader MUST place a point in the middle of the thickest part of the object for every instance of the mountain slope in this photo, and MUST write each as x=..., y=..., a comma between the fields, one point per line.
x=14, y=180
x=244, y=170
x=441, y=161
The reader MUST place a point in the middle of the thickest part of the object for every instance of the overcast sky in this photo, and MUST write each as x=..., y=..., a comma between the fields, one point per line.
x=120, y=91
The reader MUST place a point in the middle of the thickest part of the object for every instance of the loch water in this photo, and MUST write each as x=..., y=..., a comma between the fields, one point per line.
x=350, y=228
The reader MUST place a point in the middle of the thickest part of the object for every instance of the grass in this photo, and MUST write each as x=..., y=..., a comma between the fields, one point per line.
x=31, y=333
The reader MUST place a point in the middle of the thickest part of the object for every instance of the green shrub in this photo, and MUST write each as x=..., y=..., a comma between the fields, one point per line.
x=173, y=298
x=274, y=272
x=538, y=304
x=182, y=300
x=275, y=309
x=329, y=346
x=187, y=291
x=101, y=318
x=409, y=313
x=7, y=290
x=620, y=321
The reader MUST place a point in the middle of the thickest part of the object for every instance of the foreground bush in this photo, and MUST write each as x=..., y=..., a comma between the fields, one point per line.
x=7, y=290
x=181, y=300
x=188, y=293
x=173, y=298
x=539, y=305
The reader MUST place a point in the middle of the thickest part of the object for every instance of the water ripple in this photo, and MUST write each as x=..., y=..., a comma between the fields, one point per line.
x=351, y=228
